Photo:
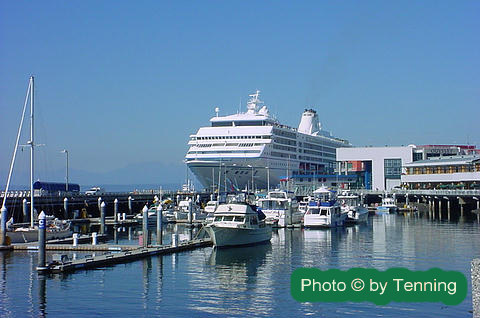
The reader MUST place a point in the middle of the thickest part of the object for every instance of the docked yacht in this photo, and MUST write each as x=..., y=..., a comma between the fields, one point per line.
x=351, y=204
x=280, y=209
x=238, y=223
x=324, y=210
x=253, y=149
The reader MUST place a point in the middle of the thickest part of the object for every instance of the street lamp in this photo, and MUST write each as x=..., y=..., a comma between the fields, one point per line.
x=65, y=151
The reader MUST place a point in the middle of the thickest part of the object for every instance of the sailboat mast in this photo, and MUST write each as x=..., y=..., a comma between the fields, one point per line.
x=32, y=156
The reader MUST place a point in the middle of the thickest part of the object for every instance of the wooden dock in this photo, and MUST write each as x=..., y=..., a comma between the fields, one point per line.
x=123, y=254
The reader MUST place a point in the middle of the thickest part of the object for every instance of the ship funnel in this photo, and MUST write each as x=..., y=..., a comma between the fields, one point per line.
x=309, y=123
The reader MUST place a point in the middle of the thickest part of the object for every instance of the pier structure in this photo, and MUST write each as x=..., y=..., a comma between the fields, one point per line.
x=438, y=204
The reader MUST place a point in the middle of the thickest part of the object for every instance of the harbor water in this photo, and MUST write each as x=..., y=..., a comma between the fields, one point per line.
x=247, y=281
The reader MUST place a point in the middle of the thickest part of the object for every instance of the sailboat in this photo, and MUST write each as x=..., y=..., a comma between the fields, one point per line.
x=55, y=228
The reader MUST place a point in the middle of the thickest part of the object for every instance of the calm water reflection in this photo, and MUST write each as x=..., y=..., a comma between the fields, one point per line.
x=248, y=281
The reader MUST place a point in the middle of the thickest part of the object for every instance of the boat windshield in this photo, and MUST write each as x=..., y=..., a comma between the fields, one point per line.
x=272, y=205
x=318, y=211
x=240, y=198
x=277, y=195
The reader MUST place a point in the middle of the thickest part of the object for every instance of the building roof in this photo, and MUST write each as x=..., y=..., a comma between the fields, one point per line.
x=440, y=161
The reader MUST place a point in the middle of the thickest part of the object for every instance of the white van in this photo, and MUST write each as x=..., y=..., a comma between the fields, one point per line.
x=95, y=191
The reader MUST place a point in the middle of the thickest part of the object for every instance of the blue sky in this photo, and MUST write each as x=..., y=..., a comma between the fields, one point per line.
x=122, y=84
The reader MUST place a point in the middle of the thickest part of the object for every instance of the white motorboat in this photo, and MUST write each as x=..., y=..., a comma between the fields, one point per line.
x=182, y=210
x=350, y=204
x=280, y=209
x=388, y=206
x=324, y=210
x=238, y=223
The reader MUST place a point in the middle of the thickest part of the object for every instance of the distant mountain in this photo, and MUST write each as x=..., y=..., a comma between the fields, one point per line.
x=152, y=174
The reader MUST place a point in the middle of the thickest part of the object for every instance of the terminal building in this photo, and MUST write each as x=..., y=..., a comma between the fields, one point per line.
x=452, y=172
x=384, y=168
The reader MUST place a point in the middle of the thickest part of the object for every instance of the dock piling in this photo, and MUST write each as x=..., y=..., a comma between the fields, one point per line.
x=3, y=226
x=289, y=214
x=190, y=211
x=65, y=208
x=42, y=220
x=130, y=204
x=159, y=224
x=115, y=209
x=25, y=210
x=103, y=208
x=75, y=239
x=145, y=226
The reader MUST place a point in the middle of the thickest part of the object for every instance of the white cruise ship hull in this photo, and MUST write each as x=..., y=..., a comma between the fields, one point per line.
x=229, y=236
x=238, y=173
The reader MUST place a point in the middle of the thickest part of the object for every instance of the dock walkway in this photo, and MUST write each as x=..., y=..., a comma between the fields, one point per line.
x=123, y=254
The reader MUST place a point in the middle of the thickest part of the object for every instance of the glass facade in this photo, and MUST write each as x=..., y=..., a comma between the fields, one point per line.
x=393, y=168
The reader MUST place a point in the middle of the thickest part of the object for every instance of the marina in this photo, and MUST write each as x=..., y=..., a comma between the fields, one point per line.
x=205, y=278
x=165, y=159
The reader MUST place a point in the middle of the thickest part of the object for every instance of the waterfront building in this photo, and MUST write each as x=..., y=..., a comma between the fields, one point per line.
x=451, y=172
x=382, y=168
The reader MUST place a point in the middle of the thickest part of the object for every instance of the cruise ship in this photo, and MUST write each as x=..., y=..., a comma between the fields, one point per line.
x=254, y=151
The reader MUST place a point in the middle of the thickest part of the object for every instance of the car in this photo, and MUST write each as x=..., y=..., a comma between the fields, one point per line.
x=95, y=191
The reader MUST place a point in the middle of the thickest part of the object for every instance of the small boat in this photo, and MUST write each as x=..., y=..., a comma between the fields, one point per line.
x=182, y=210
x=238, y=223
x=350, y=204
x=324, y=210
x=280, y=209
x=388, y=206
x=55, y=229
x=151, y=216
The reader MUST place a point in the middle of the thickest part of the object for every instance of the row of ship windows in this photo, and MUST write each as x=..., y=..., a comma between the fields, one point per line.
x=311, y=152
x=322, y=142
x=277, y=139
x=222, y=151
x=228, y=145
x=230, y=137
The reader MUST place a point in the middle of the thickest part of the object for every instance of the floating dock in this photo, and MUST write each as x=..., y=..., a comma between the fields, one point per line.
x=63, y=264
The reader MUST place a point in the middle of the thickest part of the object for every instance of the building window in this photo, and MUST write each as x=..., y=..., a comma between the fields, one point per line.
x=392, y=168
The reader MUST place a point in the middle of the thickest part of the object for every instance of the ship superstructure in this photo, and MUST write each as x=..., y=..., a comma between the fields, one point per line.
x=253, y=150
